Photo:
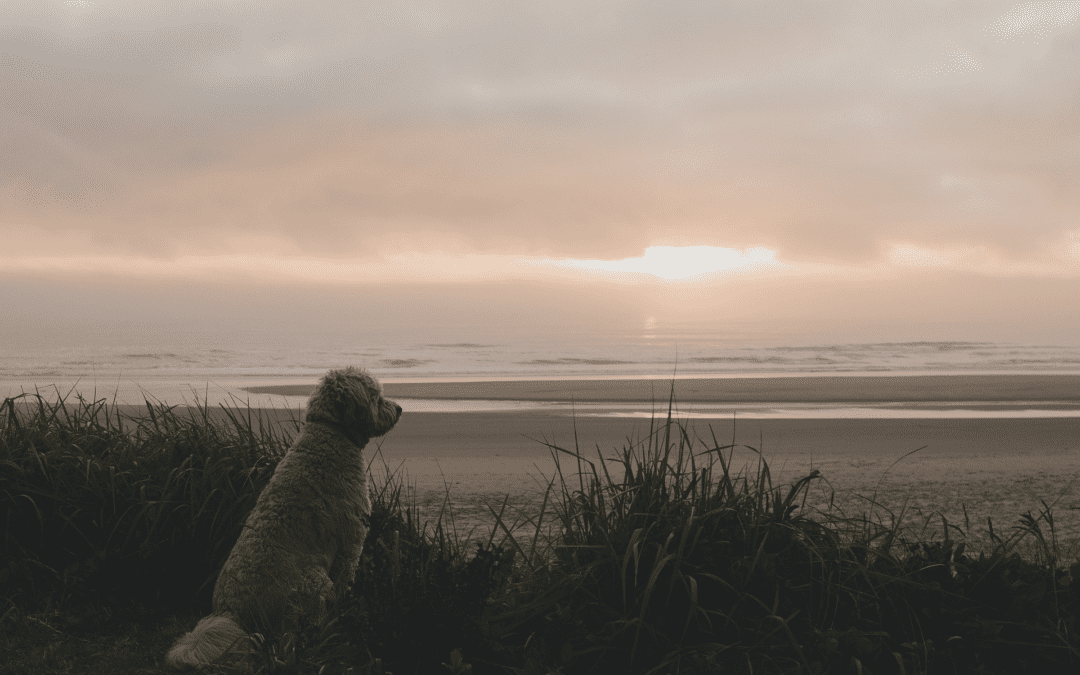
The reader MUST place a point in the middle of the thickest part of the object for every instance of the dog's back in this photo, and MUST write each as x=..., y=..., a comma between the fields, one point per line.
x=309, y=524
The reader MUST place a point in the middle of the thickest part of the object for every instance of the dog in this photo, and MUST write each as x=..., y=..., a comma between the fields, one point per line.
x=301, y=544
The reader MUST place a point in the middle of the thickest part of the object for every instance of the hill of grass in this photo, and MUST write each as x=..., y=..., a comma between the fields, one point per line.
x=116, y=525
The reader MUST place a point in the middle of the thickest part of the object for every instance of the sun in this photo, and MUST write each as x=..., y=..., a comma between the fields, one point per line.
x=681, y=262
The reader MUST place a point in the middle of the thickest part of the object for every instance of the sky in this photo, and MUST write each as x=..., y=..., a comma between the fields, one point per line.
x=903, y=169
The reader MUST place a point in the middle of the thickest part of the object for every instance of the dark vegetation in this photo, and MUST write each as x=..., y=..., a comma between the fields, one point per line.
x=114, y=528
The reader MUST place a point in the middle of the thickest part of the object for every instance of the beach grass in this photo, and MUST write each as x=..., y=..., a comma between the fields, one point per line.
x=115, y=526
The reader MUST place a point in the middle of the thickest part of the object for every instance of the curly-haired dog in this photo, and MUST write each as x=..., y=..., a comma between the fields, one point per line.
x=301, y=544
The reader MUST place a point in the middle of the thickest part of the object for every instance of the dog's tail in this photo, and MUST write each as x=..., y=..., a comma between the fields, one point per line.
x=217, y=638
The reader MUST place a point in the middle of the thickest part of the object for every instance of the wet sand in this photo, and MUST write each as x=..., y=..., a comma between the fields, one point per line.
x=823, y=389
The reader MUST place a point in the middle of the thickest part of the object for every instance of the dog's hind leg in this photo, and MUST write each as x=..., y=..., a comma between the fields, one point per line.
x=313, y=594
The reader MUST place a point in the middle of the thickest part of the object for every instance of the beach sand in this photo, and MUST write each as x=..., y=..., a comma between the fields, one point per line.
x=997, y=468
x=993, y=467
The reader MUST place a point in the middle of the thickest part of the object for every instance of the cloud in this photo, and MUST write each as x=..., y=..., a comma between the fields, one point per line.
x=982, y=260
x=1035, y=20
x=953, y=60
x=171, y=131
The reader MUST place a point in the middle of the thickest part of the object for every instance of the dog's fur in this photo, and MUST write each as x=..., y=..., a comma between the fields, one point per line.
x=301, y=544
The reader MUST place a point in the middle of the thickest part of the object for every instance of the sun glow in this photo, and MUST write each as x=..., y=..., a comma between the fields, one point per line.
x=671, y=263
x=681, y=262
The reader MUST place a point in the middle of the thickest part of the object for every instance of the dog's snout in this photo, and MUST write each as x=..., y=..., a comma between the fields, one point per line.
x=398, y=409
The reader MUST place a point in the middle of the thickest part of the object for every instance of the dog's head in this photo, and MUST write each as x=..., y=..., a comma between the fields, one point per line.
x=352, y=398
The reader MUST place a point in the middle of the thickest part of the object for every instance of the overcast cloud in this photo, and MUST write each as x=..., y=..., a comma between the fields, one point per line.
x=850, y=134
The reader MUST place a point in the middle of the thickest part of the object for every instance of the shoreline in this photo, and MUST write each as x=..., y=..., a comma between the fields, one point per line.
x=819, y=396
x=1033, y=390
x=800, y=389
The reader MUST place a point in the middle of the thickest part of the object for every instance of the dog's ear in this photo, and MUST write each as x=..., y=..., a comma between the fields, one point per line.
x=357, y=409
x=344, y=397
